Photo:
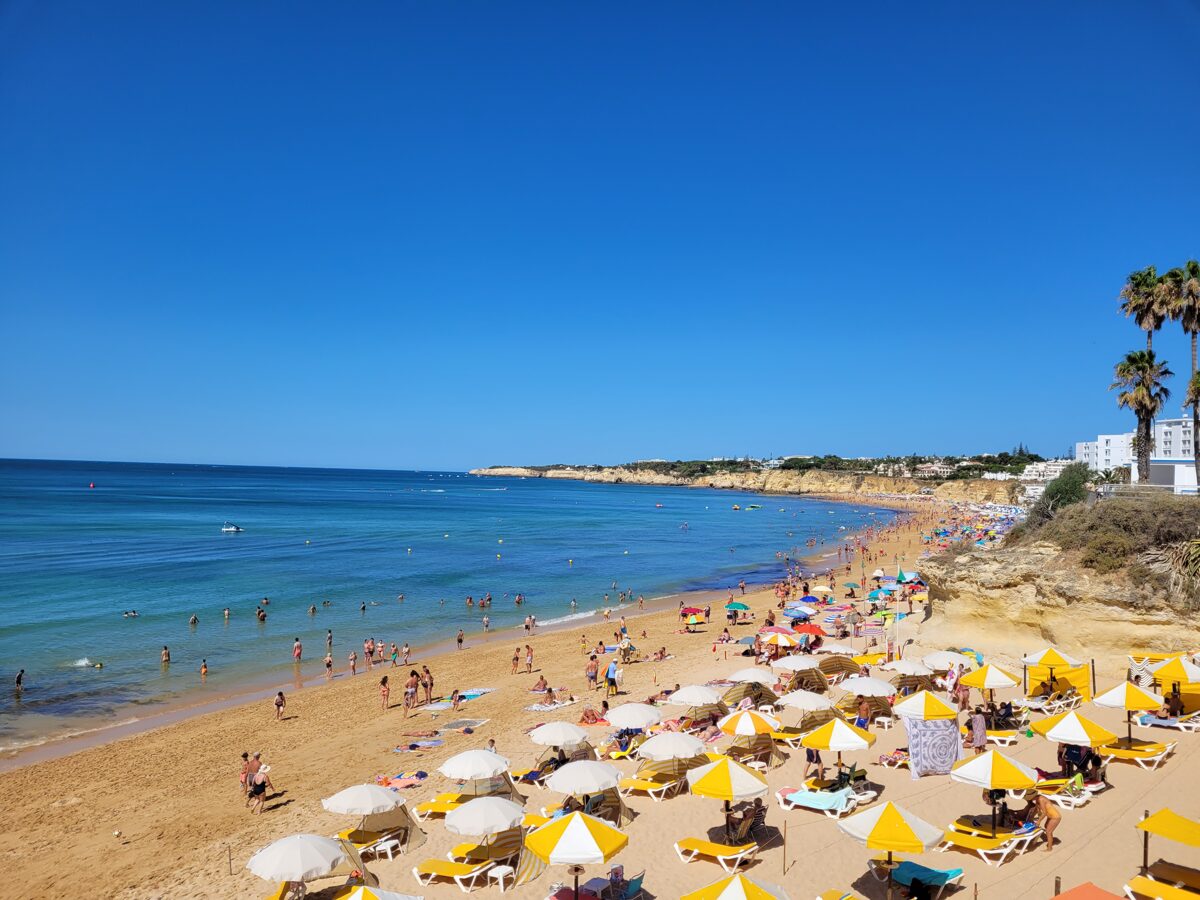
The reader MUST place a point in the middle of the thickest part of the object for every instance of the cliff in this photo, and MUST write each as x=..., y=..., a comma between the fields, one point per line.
x=1018, y=599
x=780, y=481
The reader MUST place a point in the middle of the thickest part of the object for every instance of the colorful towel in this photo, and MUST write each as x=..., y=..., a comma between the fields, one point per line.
x=550, y=707
x=418, y=745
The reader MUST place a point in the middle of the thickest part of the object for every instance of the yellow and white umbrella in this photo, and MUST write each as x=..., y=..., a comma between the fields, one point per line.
x=727, y=780
x=989, y=678
x=795, y=663
x=1052, y=658
x=362, y=892
x=821, y=589
x=1072, y=728
x=993, y=771
x=748, y=723
x=1176, y=671
x=1131, y=698
x=892, y=829
x=776, y=639
x=924, y=706
x=737, y=887
x=837, y=735
x=576, y=840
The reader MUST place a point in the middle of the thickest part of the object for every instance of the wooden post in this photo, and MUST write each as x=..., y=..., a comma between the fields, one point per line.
x=229, y=851
x=785, y=846
x=1057, y=885
x=1145, y=844
x=1093, y=677
x=1025, y=679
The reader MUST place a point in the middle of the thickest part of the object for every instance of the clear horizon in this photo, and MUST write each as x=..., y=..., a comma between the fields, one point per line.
x=436, y=238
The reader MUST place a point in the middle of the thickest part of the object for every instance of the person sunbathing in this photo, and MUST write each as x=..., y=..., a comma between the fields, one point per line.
x=593, y=716
x=541, y=685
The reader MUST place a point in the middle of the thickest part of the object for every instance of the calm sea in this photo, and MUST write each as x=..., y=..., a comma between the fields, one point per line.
x=74, y=557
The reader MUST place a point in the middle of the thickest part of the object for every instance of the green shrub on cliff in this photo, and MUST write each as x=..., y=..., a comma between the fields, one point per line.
x=1067, y=489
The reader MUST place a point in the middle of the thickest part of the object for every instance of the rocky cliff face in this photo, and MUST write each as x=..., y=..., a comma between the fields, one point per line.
x=782, y=481
x=1016, y=600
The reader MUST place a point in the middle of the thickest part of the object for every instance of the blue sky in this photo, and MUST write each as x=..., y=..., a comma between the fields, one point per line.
x=442, y=235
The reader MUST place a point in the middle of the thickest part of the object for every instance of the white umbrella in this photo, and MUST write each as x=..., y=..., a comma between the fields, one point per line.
x=945, y=660
x=907, y=667
x=558, y=734
x=841, y=649
x=805, y=701
x=585, y=776
x=867, y=687
x=752, y=676
x=362, y=892
x=363, y=800
x=797, y=663
x=694, y=695
x=671, y=745
x=297, y=858
x=484, y=816
x=634, y=715
x=821, y=589
x=878, y=573
x=474, y=764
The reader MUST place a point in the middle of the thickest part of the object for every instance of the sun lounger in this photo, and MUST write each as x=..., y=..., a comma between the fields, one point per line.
x=824, y=784
x=1140, y=886
x=938, y=879
x=836, y=894
x=1188, y=723
x=501, y=847
x=1148, y=756
x=992, y=850
x=1180, y=876
x=1065, y=794
x=1040, y=704
x=789, y=736
x=463, y=874
x=1001, y=737
x=729, y=857
x=428, y=809
x=657, y=790
x=897, y=759
x=982, y=826
x=834, y=804
x=289, y=890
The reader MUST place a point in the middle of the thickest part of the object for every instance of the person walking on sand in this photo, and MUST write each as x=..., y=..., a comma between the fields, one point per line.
x=395, y=655
x=244, y=773
x=516, y=660
x=260, y=783
x=591, y=672
x=459, y=639
x=297, y=650
x=280, y=703
x=410, y=691
x=405, y=652
x=368, y=652
x=384, y=691
x=528, y=659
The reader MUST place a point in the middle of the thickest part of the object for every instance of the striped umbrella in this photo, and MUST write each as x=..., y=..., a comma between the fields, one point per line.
x=1176, y=671
x=1052, y=658
x=748, y=722
x=775, y=639
x=737, y=887
x=924, y=706
x=576, y=840
x=1072, y=728
x=892, y=829
x=993, y=771
x=1130, y=697
x=727, y=780
x=837, y=735
x=362, y=892
x=989, y=678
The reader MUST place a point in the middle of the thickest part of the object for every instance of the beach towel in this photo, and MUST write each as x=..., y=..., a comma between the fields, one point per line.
x=439, y=705
x=401, y=780
x=418, y=745
x=820, y=800
x=933, y=747
x=550, y=707
x=464, y=724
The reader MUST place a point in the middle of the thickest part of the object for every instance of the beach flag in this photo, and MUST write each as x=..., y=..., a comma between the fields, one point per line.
x=900, y=576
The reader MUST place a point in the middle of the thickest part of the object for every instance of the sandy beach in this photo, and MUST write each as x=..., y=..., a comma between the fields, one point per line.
x=184, y=831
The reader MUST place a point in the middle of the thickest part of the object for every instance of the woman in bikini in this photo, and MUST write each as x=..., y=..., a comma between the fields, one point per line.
x=516, y=660
x=384, y=690
x=410, y=691
x=426, y=682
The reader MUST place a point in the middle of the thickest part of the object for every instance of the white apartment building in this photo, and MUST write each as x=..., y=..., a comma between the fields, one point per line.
x=1170, y=460
x=1046, y=471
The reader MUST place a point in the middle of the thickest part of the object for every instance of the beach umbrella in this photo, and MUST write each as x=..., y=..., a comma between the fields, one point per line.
x=727, y=780
x=484, y=816
x=670, y=745
x=558, y=734
x=851, y=584
x=584, y=776
x=751, y=676
x=634, y=715
x=362, y=892
x=878, y=573
x=749, y=639
x=907, y=667
x=300, y=857
x=1071, y=728
x=691, y=610
x=737, y=887
x=797, y=612
x=1051, y=658
x=811, y=628
x=738, y=605
x=776, y=629
x=781, y=640
x=576, y=840
x=747, y=722
x=837, y=735
x=471, y=765
x=993, y=771
x=925, y=706
x=795, y=663
x=809, y=598
x=363, y=800
x=694, y=695
x=892, y=829
x=1176, y=671
x=989, y=678
x=805, y=701
x=694, y=620
x=840, y=649
x=945, y=660
x=1131, y=698
x=822, y=589
x=867, y=687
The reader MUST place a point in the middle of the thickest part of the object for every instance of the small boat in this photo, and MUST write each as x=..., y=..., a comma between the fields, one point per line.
x=735, y=506
x=230, y=528
x=754, y=506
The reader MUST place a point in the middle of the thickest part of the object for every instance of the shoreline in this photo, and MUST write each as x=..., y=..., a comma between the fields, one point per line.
x=162, y=714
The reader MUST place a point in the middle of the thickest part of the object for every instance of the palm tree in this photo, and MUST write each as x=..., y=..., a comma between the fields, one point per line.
x=1145, y=298
x=1182, y=293
x=1140, y=377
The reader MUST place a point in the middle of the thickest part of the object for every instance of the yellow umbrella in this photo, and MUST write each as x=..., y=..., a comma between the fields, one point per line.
x=1131, y=698
x=839, y=735
x=890, y=828
x=1170, y=825
x=988, y=678
x=747, y=722
x=993, y=771
x=726, y=779
x=736, y=887
x=1176, y=671
x=781, y=640
x=576, y=840
x=924, y=706
x=1072, y=728
x=362, y=892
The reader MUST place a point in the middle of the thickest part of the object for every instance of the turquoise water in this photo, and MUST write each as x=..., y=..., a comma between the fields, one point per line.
x=73, y=558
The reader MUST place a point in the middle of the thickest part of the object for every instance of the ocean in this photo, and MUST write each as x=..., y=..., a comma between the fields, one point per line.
x=83, y=543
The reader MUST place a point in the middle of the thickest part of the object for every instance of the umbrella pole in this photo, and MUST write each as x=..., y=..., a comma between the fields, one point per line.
x=889, y=868
x=576, y=883
x=1129, y=727
x=1145, y=844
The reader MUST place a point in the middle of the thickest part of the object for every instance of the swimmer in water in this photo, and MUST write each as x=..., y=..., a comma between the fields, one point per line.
x=193, y=620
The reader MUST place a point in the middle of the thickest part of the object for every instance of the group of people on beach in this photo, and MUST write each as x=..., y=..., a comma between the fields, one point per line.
x=422, y=680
